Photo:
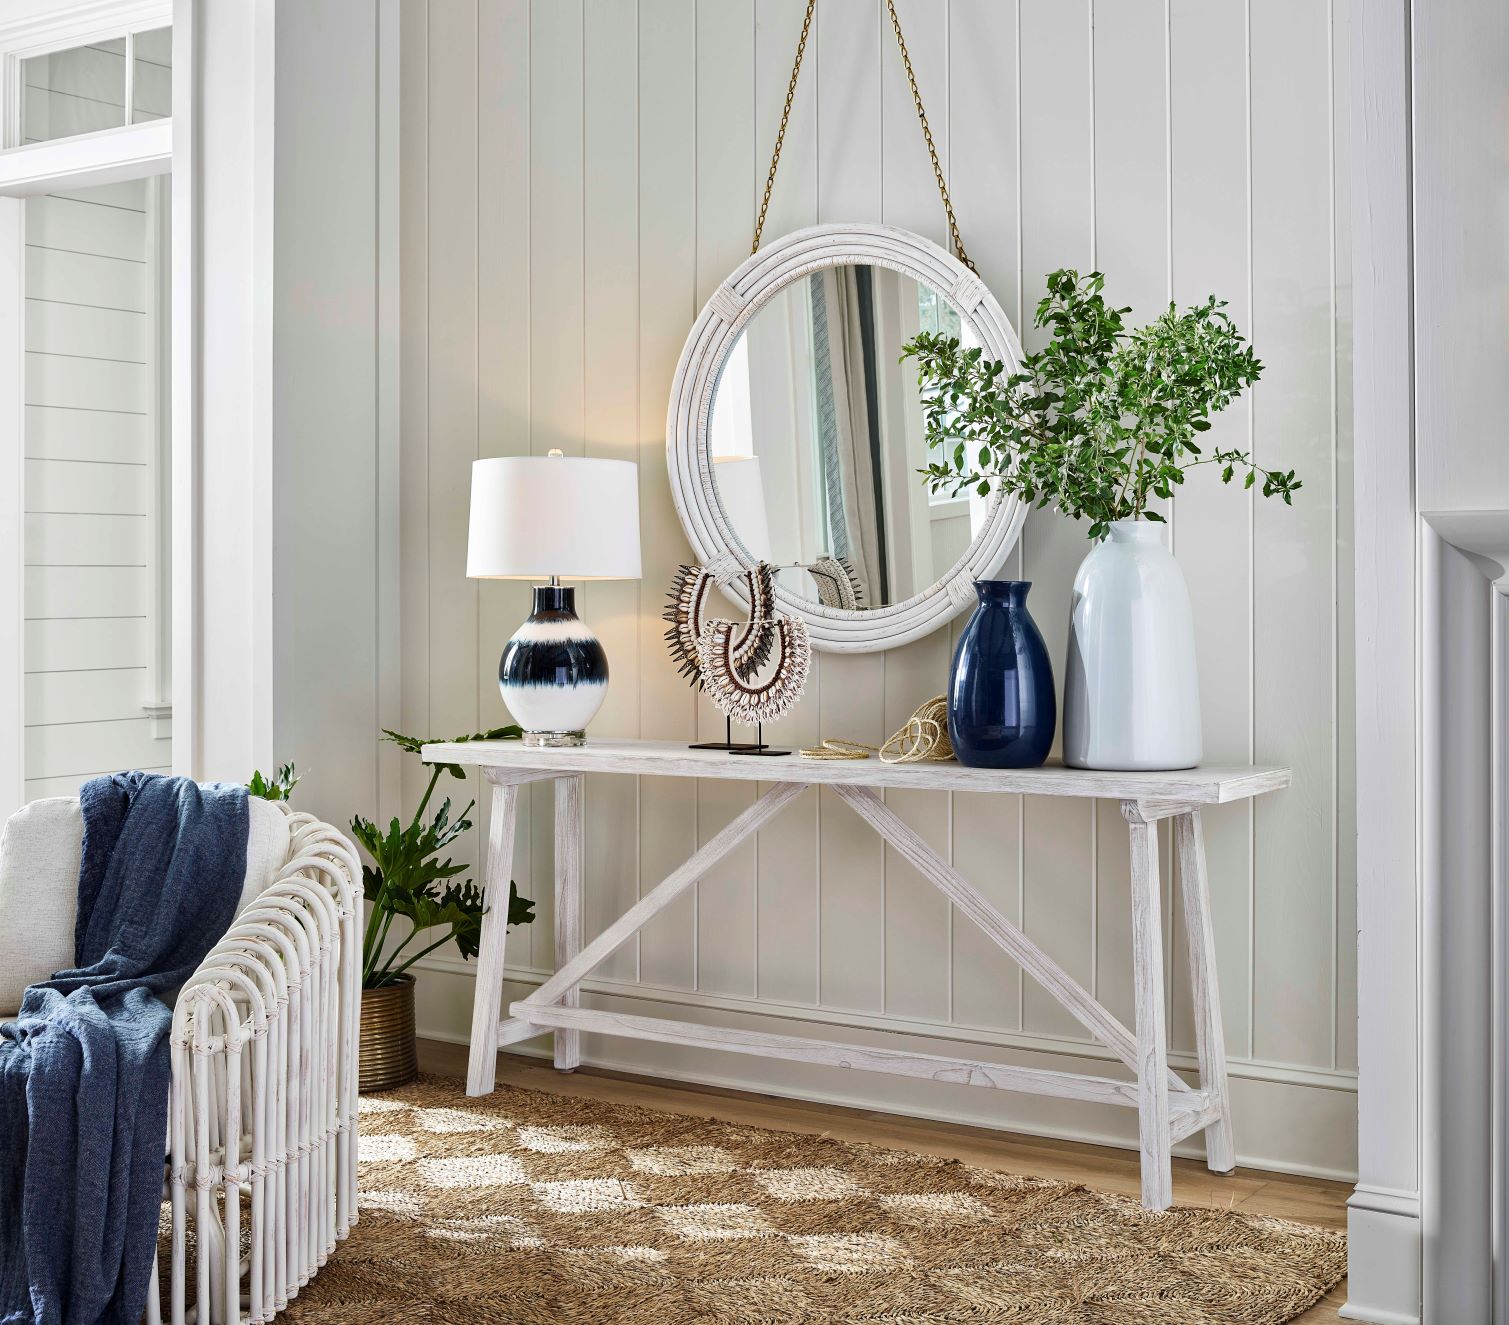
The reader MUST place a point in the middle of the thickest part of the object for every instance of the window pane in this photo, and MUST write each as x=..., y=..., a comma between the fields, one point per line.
x=152, y=83
x=77, y=91
x=97, y=476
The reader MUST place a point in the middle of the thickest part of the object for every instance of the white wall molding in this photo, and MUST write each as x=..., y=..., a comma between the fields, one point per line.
x=44, y=25
x=1265, y=1106
x=1025, y=1041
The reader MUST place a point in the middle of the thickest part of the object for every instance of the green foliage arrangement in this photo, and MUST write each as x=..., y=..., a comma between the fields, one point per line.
x=409, y=879
x=1101, y=421
x=277, y=788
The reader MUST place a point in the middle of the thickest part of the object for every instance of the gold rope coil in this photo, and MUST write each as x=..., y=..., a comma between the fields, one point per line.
x=923, y=738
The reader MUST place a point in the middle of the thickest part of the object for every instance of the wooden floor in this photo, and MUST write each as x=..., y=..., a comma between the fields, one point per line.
x=1312, y=1200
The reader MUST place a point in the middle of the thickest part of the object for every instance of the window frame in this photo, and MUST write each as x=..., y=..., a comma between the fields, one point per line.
x=131, y=151
x=66, y=29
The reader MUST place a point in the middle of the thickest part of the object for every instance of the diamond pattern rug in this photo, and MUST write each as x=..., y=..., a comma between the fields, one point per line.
x=526, y=1207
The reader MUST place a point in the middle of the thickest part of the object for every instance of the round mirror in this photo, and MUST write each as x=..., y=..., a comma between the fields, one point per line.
x=795, y=434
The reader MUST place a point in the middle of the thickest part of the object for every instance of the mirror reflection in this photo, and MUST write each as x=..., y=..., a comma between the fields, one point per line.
x=816, y=438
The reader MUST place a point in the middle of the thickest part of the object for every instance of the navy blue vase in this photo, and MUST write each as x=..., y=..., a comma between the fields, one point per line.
x=1001, y=710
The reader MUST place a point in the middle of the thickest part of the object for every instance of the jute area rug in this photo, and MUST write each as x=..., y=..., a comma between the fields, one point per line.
x=526, y=1207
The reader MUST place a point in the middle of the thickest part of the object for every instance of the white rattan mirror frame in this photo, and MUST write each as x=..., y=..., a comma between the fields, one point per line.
x=733, y=303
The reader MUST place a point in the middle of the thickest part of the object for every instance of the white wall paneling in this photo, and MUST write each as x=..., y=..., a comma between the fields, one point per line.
x=332, y=448
x=579, y=176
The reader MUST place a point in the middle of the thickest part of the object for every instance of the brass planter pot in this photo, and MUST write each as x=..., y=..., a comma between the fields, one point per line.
x=388, y=1056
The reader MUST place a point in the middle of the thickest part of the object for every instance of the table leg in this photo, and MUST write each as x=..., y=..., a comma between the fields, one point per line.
x=482, y=1064
x=1210, y=1037
x=1152, y=1035
x=568, y=905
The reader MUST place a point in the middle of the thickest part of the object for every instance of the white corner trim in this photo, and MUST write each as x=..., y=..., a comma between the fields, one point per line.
x=1384, y=1239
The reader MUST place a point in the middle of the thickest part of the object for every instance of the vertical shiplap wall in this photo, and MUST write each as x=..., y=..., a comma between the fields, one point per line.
x=578, y=176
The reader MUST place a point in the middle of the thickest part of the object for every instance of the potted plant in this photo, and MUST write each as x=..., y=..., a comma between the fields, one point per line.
x=407, y=881
x=1101, y=423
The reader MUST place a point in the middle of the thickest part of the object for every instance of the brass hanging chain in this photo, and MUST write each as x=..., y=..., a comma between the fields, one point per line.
x=927, y=133
x=780, y=137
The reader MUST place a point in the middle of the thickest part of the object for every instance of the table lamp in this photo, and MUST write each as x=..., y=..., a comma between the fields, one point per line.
x=553, y=517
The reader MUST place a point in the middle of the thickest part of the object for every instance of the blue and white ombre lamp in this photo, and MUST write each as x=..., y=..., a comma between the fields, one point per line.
x=553, y=517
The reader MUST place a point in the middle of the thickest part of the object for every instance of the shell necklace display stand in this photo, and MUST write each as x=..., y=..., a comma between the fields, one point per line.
x=722, y=656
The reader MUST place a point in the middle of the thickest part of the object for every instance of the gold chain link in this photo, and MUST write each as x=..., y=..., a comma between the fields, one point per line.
x=927, y=133
x=780, y=137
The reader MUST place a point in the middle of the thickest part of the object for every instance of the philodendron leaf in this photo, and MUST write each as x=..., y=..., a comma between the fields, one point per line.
x=279, y=787
x=411, y=878
x=414, y=744
x=520, y=909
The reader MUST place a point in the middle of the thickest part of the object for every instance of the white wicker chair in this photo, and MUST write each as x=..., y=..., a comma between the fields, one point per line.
x=262, y=1107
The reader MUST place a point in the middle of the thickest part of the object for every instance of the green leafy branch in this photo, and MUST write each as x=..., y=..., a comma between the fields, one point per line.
x=1101, y=421
x=409, y=879
x=277, y=788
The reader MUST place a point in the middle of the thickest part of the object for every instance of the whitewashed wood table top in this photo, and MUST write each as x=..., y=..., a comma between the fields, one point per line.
x=1209, y=785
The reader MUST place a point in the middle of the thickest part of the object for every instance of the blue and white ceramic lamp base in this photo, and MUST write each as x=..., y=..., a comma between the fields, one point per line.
x=554, y=672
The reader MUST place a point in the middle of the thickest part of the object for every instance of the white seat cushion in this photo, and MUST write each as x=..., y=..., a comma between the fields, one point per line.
x=39, y=878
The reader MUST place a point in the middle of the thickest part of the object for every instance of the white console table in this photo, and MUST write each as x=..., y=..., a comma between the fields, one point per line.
x=1168, y=1108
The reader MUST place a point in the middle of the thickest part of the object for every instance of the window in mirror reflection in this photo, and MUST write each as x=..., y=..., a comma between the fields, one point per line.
x=816, y=437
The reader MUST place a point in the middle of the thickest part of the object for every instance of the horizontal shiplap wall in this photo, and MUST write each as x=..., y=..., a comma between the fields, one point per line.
x=579, y=175
x=88, y=436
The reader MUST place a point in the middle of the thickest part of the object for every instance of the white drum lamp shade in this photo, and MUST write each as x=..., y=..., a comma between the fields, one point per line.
x=537, y=516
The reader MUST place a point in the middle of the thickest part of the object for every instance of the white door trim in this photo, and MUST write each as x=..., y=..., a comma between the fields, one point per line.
x=1427, y=1223
x=187, y=358
x=1385, y=1246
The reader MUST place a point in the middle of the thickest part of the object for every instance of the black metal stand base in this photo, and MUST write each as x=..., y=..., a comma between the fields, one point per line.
x=730, y=746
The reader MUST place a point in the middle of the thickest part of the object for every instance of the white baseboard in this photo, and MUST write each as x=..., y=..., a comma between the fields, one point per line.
x=1384, y=1245
x=1289, y=1120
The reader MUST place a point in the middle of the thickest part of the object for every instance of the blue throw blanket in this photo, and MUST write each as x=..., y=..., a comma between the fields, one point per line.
x=84, y=1068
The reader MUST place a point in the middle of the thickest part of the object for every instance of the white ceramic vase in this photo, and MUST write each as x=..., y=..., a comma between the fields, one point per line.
x=1131, y=693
